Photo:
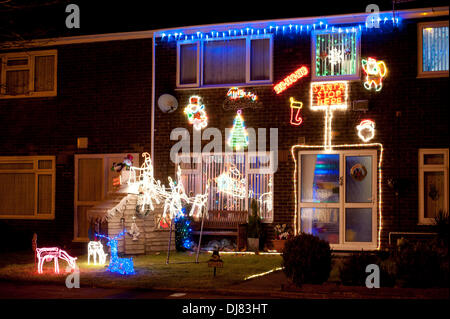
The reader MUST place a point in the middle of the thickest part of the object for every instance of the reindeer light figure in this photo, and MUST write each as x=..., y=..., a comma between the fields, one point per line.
x=95, y=248
x=54, y=253
x=123, y=266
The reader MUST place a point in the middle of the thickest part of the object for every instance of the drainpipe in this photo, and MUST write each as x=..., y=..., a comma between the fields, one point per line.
x=153, y=101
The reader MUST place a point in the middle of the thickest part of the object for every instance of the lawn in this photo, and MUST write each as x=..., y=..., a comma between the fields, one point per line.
x=151, y=271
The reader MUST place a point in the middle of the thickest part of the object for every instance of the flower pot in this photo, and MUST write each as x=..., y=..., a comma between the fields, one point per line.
x=278, y=244
x=252, y=244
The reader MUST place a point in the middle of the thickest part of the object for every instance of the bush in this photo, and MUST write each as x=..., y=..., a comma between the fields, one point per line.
x=421, y=264
x=353, y=270
x=307, y=259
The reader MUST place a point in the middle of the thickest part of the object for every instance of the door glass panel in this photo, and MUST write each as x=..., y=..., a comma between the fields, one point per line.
x=321, y=222
x=433, y=159
x=358, y=224
x=358, y=178
x=433, y=193
x=320, y=178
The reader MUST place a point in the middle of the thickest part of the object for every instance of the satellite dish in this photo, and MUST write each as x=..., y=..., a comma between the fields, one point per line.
x=167, y=103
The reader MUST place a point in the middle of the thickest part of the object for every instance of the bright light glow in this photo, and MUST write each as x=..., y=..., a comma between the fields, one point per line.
x=135, y=232
x=235, y=93
x=328, y=97
x=380, y=160
x=174, y=197
x=375, y=72
x=291, y=79
x=231, y=182
x=335, y=56
x=95, y=248
x=296, y=106
x=53, y=253
x=196, y=113
x=297, y=29
x=366, y=130
x=238, y=137
x=123, y=266
x=266, y=199
x=263, y=273
x=246, y=253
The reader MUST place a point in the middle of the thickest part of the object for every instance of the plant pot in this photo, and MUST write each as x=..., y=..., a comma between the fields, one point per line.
x=278, y=244
x=253, y=244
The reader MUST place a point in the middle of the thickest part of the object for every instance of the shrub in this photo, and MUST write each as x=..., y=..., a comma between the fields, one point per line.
x=307, y=259
x=353, y=269
x=421, y=264
x=442, y=221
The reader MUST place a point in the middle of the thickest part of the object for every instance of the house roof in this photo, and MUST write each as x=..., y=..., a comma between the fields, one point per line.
x=341, y=19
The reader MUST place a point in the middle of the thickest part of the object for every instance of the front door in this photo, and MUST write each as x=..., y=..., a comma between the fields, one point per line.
x=338, y=197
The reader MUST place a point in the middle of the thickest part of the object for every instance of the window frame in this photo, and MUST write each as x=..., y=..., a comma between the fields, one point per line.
x=420, y=72
x=200, y=58
x=315, y=78
x=31, y=56
x=342, y=205
x=37, y=171
x=269, y=170
x=423, y=168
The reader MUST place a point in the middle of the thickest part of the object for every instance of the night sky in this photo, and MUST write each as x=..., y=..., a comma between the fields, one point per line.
x=28, y=19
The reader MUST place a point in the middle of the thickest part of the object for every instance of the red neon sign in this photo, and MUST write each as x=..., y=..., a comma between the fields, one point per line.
x=326, y=94
x=291, y=79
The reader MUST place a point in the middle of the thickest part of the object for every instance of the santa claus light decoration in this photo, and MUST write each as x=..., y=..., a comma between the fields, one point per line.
x=375, y=72
x=366, y=130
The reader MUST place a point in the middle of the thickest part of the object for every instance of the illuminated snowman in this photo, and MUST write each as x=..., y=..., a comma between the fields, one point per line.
x=366, y=130
x=196, y=113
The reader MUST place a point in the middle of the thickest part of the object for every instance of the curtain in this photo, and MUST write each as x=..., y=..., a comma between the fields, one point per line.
x=224, y=62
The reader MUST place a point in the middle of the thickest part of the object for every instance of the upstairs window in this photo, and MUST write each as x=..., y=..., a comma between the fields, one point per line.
x=433, y=49
x=28, y=74
x=335, y=55
x=239, y=61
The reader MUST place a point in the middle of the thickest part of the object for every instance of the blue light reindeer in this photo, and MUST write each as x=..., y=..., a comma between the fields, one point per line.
x=123, y=266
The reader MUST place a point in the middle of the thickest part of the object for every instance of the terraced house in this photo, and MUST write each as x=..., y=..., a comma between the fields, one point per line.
x=350, y=109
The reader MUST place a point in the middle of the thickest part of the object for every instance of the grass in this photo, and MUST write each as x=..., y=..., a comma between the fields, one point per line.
x=151, y=271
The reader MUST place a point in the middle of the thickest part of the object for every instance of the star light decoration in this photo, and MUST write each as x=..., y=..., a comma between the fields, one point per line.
x=174, y=197
x=335, y=56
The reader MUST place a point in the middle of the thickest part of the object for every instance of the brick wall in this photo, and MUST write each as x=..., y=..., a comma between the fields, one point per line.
x=409, y=113
x=104, y=93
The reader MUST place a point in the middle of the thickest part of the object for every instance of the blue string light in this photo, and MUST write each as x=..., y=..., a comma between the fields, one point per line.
x=286, y=28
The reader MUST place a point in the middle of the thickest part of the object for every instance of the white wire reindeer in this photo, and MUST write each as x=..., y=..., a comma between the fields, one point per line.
x=152, y=191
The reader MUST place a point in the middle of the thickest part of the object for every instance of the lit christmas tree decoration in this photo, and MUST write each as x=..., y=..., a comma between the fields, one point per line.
x=238, y=138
